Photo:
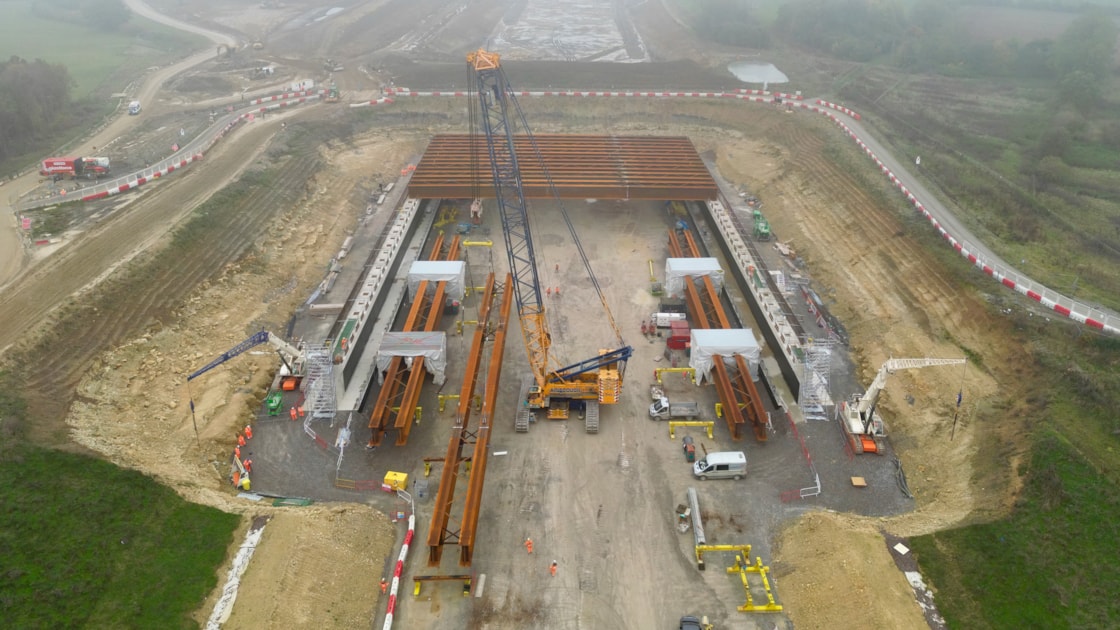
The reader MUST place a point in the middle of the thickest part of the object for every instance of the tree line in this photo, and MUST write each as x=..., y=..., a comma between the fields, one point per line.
x=921, y=36
x=34, y=100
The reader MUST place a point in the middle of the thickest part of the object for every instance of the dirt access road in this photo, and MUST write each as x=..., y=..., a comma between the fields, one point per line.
x=132, y=408
x=13, y=256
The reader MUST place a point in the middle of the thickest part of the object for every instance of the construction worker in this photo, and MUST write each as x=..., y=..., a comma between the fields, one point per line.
x=248, y=464
x=384, y=585
x=529, y=545
x=237, y=452
x=556, y=291
x=240, y=440
x=292, y=413
x=300, y=409
x=248, y=432
x=552, y=569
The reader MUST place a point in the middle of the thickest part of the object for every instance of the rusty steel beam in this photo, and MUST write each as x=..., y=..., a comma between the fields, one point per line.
x=751, y=401
x=431, y=318
x=438, y=532
x=731, y=411
x=580, y=167
x=394, y=376
x=482, y=441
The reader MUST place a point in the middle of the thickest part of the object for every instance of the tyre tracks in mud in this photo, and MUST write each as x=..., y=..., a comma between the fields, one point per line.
x=150, y=290
x=861, y=232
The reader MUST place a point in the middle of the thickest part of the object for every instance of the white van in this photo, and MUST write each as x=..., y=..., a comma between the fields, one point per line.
x=134, y=108
x=722, y=465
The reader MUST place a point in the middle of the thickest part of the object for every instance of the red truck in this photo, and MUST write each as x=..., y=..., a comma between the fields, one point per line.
x=72, y=167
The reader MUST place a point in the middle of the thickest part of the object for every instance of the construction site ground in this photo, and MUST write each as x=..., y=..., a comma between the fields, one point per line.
x=602, y=506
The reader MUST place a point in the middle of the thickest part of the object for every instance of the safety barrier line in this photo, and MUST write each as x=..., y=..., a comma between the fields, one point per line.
x=398, y=569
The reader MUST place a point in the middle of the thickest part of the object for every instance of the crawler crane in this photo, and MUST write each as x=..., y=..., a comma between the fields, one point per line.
x=591, y=382
x=859, y=417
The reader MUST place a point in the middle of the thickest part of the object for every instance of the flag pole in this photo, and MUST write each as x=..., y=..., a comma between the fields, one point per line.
x=960, y=396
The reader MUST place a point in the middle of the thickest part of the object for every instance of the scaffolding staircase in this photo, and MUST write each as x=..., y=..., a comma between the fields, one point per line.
x=814, y=396
x=320, y=392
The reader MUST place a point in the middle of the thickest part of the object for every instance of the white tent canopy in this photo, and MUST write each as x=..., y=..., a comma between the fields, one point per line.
x=677, y=270
x=430, y=345
x=708, y=343
x=454, y=272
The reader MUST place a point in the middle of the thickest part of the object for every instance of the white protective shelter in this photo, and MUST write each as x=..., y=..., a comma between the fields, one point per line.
x=454, y=272
x=677, y=270
x=707, y=343
x=430, y=345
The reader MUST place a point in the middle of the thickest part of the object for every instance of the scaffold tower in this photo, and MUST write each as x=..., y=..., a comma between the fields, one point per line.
x=815, y=397
x=320, y=392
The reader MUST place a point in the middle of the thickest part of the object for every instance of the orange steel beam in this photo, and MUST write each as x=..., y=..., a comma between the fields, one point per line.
x=394, y=376
x=482, y=440
x=411, y=396
x=700, y=312
x=580, y=166
x=438, y=533
x=748, y=393
x=731, y=411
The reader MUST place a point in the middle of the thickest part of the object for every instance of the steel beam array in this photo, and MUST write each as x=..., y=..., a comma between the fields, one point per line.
x=439, y=533
x=736, y=391
x=395, y=382
x=411, y=396
x=581, y=167
x=482, y=441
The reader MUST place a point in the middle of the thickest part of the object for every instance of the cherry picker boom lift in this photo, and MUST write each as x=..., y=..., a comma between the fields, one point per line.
x=591, y=382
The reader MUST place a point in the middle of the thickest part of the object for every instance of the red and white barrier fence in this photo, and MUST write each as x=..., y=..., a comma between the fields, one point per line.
x=398, y=569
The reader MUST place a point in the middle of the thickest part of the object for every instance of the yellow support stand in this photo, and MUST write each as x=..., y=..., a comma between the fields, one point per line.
x=464, y=322
x=743, y=568
x=416, y=413
x=690, y=372
x=443, y=398
x=673, y=424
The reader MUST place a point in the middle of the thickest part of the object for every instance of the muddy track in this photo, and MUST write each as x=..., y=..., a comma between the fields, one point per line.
x=155, y=288
x=877, y=239
x=30, y=300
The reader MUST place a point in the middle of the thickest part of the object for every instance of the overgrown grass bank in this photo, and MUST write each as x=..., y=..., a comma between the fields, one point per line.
x=86, y=544
x=1051, y=565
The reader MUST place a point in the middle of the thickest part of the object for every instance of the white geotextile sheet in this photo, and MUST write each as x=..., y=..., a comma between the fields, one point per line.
x=430, y=345
x=454, y=272
x=708, y=343
x=678, y=270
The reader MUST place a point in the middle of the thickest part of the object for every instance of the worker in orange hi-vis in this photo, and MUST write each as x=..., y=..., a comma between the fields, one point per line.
x=552, y=569
x=248, y=464
x=300, y=409
x=292, y=413
x=384, y=585
x=240, y=440
x=529, y=544
x=237, y=452
x=248, y=432
x=556, y=291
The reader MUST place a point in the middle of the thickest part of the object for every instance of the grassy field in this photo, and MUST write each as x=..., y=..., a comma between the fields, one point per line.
x=86, y=544
x=1051, y=565
x=93, y=58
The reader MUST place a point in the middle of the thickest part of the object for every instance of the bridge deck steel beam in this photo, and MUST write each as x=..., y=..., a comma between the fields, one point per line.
x=482, y=441
x=438, y=532
x=411, y=396
x=580, y=166
x=391, y=388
